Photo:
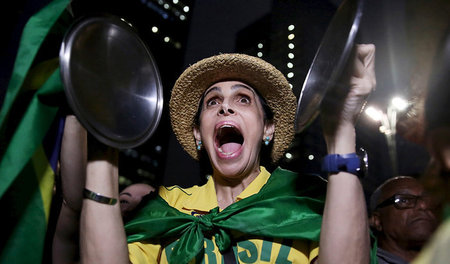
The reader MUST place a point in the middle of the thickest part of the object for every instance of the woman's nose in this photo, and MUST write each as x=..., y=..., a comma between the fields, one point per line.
x=226, y=110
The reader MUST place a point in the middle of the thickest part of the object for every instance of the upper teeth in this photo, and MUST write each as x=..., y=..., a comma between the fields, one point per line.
x=224, y=126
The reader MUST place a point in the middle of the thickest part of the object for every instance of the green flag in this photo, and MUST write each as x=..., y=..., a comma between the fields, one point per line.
x=27, y=159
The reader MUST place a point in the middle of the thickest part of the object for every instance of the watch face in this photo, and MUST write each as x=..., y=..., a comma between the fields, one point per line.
x=364, y=161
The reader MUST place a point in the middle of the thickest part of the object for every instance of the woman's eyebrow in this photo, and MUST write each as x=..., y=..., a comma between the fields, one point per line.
x=234, y=87
x=214, y=88
x=126, y=193
x=241, y=85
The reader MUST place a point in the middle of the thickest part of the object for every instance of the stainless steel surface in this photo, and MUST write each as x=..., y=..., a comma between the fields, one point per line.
x=329, y=61
x=111, y=81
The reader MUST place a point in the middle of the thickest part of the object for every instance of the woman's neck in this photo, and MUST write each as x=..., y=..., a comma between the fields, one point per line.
x=228, y=188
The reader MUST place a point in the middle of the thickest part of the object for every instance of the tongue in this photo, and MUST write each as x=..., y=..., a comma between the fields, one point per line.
x=230, y=147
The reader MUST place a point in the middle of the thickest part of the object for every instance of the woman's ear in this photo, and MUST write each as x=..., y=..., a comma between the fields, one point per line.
x=269, y=129
x=197, y=135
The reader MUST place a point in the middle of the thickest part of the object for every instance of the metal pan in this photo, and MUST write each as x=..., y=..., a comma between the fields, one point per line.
x=111, y=81
x=329, y=62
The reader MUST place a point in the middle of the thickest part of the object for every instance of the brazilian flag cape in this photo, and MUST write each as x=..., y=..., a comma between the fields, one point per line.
x=287, y=206
x=30, y=134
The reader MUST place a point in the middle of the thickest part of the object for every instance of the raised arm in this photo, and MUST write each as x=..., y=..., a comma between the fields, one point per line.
x=102, y=235
x=73, y=159
x=345, y=232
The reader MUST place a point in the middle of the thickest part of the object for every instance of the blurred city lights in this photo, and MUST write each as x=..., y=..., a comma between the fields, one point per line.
x=399, y=103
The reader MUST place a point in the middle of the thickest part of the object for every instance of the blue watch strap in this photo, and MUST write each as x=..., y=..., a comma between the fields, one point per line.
x=334, y=163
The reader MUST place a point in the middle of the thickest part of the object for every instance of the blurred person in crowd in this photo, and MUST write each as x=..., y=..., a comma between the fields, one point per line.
x=437, y=138
x=402, y=218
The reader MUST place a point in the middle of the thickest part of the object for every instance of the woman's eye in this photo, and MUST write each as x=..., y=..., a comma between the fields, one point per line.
x=244, y=99
x=211, y=102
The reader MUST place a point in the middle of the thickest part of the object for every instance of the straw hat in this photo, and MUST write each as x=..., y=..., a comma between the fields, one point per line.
x=257, y=73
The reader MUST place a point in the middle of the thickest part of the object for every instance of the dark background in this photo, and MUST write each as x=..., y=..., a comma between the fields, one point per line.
x=212, y=27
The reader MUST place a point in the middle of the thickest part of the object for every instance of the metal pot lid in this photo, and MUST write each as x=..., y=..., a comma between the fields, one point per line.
x=329, y=62
x=111, y=81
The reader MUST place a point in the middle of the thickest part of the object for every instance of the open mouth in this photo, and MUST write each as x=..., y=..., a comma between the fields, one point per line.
x=228, y=139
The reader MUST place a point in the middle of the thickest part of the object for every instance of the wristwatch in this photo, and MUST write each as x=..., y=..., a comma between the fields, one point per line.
x=351, y=163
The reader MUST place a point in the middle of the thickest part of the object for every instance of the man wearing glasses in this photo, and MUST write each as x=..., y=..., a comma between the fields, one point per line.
x=402, y=217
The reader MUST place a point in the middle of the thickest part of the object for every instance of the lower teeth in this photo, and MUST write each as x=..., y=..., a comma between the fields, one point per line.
x=221, y=151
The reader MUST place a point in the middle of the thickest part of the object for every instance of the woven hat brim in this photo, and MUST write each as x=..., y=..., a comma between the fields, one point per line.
x=257, y=73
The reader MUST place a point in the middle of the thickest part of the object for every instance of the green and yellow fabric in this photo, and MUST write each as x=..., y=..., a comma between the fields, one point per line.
x=30, y=133
x=287, y=206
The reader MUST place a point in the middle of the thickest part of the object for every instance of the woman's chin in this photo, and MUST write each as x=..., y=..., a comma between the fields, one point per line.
x=235, y=168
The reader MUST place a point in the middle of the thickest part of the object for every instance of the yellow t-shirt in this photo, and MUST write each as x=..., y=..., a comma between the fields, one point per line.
x=199, y=200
